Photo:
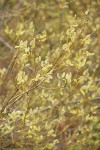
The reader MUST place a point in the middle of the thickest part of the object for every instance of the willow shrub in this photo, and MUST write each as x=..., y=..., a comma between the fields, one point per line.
x=52, y=78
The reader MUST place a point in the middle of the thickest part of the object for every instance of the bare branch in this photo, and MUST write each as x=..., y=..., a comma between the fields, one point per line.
x=7, y=45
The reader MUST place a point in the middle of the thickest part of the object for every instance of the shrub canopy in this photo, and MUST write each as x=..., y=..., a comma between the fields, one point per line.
x=49, y=74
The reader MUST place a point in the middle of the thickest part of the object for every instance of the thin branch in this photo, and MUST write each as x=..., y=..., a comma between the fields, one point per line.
x=7, y=45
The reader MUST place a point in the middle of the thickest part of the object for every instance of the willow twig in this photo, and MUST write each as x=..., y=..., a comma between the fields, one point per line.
x=7, y=45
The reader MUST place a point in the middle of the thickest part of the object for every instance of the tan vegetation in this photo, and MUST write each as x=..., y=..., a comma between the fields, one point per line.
x=49, y=74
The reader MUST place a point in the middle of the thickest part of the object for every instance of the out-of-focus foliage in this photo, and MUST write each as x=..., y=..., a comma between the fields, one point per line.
x=49, y=74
